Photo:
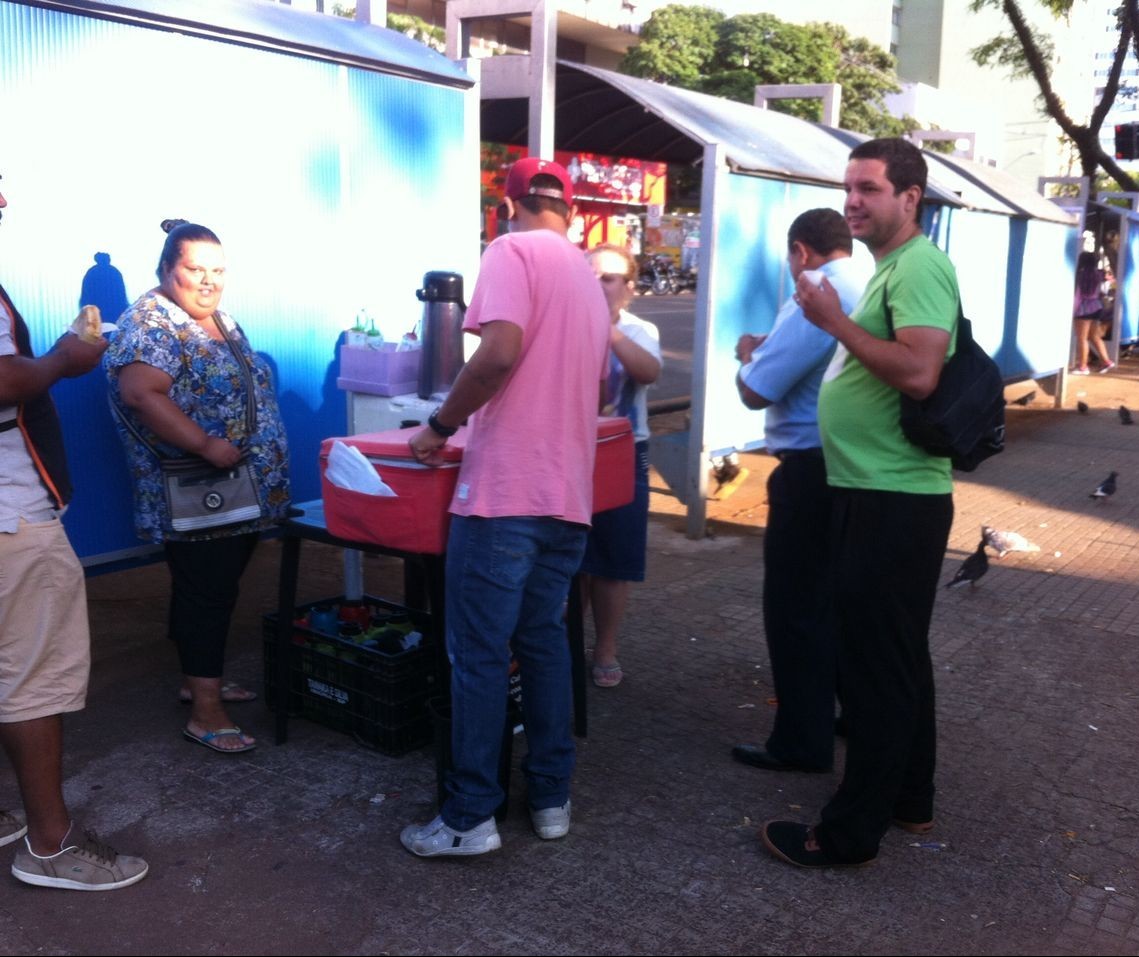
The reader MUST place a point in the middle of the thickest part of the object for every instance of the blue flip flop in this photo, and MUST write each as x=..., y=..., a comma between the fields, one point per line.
x=207, y=739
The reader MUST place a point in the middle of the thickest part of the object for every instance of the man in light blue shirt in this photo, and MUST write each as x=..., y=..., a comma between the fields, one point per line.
x=781, y=372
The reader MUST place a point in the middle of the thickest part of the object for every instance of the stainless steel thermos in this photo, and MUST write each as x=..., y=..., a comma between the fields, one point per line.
x=443, y=310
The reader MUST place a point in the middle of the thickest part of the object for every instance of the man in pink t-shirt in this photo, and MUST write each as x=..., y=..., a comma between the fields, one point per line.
x=521, y=510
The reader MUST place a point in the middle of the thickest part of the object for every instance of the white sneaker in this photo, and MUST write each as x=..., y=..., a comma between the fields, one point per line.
x=438, y=840
x=550, y=823
x=84, y=865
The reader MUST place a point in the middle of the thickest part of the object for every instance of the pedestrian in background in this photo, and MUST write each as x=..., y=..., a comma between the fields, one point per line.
x=187, y=383
x=615, y=551
x=892, y=513
x=521, y=509
x=781, y=372
x=45, y=640
x=1087, y=307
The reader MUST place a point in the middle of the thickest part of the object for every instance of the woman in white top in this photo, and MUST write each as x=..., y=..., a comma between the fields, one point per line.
x=615, y=553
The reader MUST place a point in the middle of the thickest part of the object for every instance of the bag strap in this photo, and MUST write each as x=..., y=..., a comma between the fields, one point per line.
x=126, y=423
x=964, y=326
x=247, y=374
x=250, y=405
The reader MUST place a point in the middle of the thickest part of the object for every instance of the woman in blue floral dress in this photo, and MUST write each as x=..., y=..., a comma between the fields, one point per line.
x=173, y=375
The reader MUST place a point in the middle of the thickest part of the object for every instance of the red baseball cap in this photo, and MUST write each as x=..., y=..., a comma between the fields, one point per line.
x=524, y=170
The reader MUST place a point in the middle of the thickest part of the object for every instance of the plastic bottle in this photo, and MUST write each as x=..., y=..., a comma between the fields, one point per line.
x=356, y=611
x=409, y=342
x=375, y=338
x=357, y=336
x=323, y=618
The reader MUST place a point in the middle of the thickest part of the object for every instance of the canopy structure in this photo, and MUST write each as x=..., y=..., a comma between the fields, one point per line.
x=605, y=112
x=1013, y=249
x=276, y=26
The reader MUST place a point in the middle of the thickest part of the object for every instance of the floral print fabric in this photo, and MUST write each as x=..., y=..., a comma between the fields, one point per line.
x=209, y=387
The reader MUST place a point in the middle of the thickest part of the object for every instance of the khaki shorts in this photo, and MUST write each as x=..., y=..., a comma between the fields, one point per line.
x=45, y=644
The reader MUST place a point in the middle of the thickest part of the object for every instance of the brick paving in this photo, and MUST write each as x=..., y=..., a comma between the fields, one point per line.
x=294, y=849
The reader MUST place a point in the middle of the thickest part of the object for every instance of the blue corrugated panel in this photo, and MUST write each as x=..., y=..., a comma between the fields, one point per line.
x=330, y=188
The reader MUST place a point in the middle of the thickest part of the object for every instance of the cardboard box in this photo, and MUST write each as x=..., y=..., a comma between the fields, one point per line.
x=417, y=520
x=379, y=371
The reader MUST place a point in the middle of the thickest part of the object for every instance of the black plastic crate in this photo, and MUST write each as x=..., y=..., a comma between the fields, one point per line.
x=377, y=697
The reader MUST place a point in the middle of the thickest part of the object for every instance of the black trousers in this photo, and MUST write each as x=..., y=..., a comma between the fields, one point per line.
x=889, y=548
x=797, y=613
x=205, y=579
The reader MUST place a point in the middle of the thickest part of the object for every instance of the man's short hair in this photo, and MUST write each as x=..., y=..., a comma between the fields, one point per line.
x=905, y=166
x=823, y=230
x=539, y=185
x=541, y=202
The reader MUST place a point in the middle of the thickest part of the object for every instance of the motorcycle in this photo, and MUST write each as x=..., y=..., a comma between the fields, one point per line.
x=686, y=279
x=658, y=275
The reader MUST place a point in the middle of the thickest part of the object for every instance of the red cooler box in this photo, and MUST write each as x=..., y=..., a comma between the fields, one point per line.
x=417, y=520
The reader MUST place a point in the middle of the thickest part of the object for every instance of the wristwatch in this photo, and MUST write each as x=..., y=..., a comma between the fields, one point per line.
x=438, y=427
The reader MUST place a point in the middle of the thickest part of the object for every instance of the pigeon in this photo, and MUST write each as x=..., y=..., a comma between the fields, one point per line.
x=1004, y=542
x=1082, y=408
x=725, y=472
x=971, y=569
x=1125, y=415
x=1025, y=399
x=729, y=476
x=1106, y=487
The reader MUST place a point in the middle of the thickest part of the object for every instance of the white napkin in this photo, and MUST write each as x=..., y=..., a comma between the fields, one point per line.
x=348, y=468
x=814, y=276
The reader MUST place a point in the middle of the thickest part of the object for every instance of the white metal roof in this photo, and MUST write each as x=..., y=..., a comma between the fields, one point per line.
x=605, y=112
x=278, y=27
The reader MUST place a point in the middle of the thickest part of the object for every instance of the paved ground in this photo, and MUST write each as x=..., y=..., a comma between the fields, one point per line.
x=294, y=850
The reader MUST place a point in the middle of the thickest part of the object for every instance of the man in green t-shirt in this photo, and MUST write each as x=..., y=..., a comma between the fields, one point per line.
x=893, y=510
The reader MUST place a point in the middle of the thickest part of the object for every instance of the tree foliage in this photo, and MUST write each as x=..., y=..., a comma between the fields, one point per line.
x=406, y=23
x=678, y=45
x=867, y=74
x=698, y=48
x=768, y=47
x=418, y=29
x=1027, y=52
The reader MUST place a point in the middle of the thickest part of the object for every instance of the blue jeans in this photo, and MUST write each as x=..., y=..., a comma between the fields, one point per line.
x=507, y=583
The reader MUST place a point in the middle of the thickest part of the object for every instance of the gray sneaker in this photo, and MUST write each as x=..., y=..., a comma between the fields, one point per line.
x=438, y=840
x=85, y=865
x=12, y=827
x=550, y=823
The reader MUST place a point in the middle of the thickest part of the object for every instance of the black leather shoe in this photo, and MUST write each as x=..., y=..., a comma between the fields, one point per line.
x=754, y=755
x=795, y=844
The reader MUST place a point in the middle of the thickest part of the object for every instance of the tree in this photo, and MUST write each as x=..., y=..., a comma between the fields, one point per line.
x=775, y=51
x=867, y=73
x=1027, y=52
x=700, y=49
x=678, y=46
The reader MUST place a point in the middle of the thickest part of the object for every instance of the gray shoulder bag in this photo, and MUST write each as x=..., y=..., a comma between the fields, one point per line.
x=200, y=495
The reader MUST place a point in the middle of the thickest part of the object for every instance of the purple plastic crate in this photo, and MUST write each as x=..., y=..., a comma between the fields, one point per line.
x=379, y=371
